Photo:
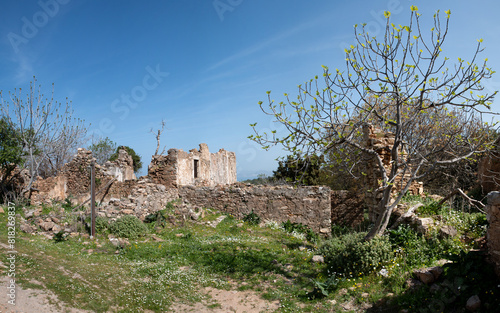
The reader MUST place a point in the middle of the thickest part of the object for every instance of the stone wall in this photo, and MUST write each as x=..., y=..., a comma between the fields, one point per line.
x=74, y=179
x=138, y=198
x=382, y=143
x=198, y=167
x=493, y=234
x=489, y=172
x=310, y=206
x=347, y=208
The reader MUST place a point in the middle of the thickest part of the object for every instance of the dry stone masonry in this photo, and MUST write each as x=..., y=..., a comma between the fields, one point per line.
x=493, y=234
x=382, y=142
x=307, y=205
x=197, y=168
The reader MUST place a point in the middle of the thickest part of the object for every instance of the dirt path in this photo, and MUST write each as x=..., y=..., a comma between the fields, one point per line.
x=223, y=301
x=31, y=301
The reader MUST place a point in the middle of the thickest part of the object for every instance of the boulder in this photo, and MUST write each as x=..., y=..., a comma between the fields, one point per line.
x=428, y=275
x=473, y=304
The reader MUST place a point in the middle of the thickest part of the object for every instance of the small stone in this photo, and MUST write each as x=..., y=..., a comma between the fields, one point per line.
x=436, y=271
x=365, y=295
x=156, y=238
x=26, y=228
x=46, y=226
x=473, y=304
x=179, y=235
x=56, y=228
x=318, y=259
x=435, y=288
x=447, y=232
x=55, y=220
x=413, y=283
x=425, y=276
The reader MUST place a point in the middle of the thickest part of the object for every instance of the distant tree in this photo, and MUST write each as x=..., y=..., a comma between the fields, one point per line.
x=302, y=170
x=102, y=150
x=135, y=157
x=49, y=133
x=11, y=154
x=262, y=179
x=402, y=83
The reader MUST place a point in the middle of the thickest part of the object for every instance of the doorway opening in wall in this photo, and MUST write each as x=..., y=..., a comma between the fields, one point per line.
x=196, y=166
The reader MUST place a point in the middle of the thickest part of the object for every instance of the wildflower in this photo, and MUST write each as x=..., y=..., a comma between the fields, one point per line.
x=383, y=272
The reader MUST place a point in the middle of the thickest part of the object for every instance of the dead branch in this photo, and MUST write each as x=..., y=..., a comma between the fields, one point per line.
x=158, y=135
x=478, y=204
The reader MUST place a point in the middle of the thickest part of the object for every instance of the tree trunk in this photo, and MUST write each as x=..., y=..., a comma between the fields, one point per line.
x=385, y=210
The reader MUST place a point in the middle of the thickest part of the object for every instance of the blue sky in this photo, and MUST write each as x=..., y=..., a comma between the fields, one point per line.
x=202, y=65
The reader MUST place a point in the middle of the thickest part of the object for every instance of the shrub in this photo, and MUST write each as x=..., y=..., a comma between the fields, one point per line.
x=128, y=226
x=158, y=217
x=101, y=224
x=251, y=218
x=301, y=229
x=351, y=255
x=417, y=250
x=60, y=236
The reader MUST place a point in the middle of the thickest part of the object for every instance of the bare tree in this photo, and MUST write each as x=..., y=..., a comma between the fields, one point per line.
x=402, y=84
x=157, y=136
x=48, y=131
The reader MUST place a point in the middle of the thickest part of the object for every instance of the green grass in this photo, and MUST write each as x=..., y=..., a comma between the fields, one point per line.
x=156, y=275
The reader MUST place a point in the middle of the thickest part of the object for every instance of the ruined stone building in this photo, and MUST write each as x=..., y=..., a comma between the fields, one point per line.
x=382, y=142
x=196, y=168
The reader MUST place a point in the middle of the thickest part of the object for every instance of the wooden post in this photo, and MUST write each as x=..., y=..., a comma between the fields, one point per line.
x=92, y=199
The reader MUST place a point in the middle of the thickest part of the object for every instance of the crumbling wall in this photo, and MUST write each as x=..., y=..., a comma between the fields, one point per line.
x=198, y=167
x=310, y=206
x=74, y=178
x=163, y=169
x=122, y=168
x=493, y=234
x=347, y=208
x=382, y=143
x=142, y=197
x=489, y=172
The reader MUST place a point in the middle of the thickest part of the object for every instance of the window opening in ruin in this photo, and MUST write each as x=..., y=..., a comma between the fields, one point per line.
x=196, y=164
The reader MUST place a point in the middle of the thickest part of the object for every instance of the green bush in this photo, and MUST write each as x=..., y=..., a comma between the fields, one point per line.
x=417, y=250
x=300, y=228
x=128, y=226
x=351, y=255
x=251, y=218
x=101, y=224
